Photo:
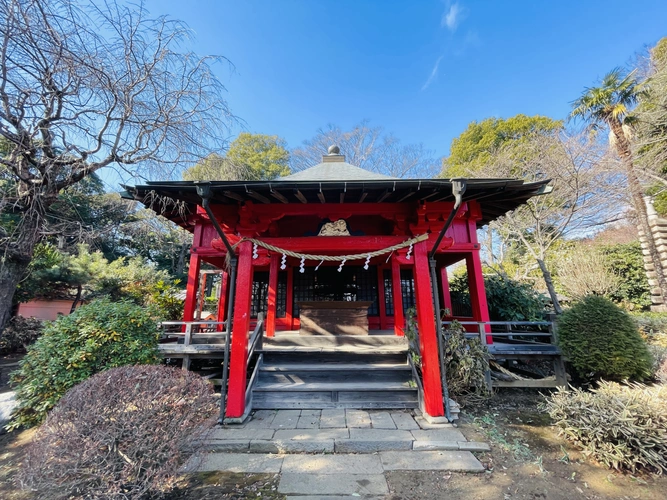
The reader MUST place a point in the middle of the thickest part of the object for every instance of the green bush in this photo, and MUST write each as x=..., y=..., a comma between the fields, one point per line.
x=602, y=341
x=508, y=300
x=624, y=427
x=121, y=434
x=97, y=336
x=626, y=261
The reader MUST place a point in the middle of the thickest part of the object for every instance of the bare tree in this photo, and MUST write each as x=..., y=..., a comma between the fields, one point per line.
x=369, y=148
x=585, y=271
x=584, y=197
x=84, y=87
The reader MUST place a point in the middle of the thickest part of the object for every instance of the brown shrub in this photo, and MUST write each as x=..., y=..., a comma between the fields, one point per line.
x=19, y=333
x=121, y=434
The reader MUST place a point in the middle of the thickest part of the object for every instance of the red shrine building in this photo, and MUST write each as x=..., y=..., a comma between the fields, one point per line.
x=335, y=254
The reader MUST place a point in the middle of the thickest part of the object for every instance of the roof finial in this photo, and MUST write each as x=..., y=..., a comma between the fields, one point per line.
x=334, y=150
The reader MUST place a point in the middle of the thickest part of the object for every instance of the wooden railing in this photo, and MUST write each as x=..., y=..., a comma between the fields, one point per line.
x=519, y=340
x=255, y=345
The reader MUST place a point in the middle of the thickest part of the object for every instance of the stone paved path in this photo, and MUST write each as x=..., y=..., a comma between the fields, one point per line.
x=337, y=431
x=326, y=454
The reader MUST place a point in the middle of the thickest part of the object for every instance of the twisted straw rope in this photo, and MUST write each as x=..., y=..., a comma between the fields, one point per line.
x=330, y=258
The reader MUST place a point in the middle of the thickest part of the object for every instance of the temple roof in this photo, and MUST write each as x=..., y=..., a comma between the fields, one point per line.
x=334, y=168
x=335, y=181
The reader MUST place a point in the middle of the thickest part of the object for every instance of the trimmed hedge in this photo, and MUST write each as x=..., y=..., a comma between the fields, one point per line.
x=602, y=341
x=97, y=336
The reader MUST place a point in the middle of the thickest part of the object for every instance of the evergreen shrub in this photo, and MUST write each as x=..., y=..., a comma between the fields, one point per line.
x=621, y=426
x=508, y=299
x=601, y=341
x=97, y=336
x=123, y=433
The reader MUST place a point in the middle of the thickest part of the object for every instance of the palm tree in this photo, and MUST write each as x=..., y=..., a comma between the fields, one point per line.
x=610, y=104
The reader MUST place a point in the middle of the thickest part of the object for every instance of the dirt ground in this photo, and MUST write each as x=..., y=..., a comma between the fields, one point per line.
x=527, y=461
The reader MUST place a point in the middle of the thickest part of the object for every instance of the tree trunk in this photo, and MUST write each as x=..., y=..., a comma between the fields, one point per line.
x=10, y=275
x=550, y=286
x=636, y=193
x=79, y=290
x=17, y=250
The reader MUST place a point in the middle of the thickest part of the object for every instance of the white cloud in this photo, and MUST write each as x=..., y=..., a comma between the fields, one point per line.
x=434, y=74
x=453, y=16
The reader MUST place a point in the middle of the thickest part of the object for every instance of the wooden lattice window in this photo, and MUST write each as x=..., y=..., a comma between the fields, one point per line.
x=260, y=294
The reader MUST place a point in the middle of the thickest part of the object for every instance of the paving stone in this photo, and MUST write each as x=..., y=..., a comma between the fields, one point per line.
x=474, y=446
x=262, y=419
x=372, y=440
x=242, y=462
x=311, y=434
x=309, y=419
x=239, y=434
x=291, y=446
x=435, y=445
x=332, y=419
x=286, y=419
x=404, y=421
x=458, y=461
x=381, y=420
x=226, y=445
x=381, y=435
x=359, y=485
x=358, y=418
x=332, y=464
x=336, y=497
x=439, y=435
x=429, y=425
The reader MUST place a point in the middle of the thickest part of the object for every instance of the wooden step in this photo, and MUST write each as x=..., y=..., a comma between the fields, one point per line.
x=316, y=367
x=263, y=386
x=334, y=343
x=334, y=358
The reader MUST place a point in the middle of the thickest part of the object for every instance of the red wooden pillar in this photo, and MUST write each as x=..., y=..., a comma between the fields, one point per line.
x=193, y=277
x=382, y=311
x=480, y=308
x=240, y=329
x=399, y=318
x=428, y=341
x=273, y=294
x=222, y=300
x=444, y=290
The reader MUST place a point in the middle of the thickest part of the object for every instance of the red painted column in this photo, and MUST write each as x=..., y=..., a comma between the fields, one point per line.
x=382, y=311
x=273, y=294
x=222, y=301
x=399, y=318
x=480, y=308
x=428, y=341
x=240, y=329
x=193, y=277
x=444, y=290
x=289, y=307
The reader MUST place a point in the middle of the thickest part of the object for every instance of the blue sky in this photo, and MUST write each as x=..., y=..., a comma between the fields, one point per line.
x=421, y=69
